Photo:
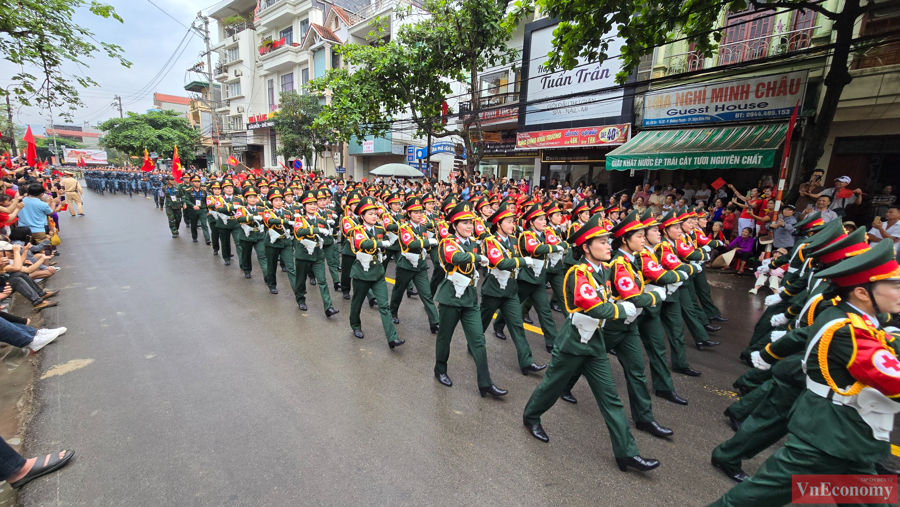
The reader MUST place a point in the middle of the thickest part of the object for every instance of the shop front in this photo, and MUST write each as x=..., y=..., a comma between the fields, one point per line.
x=502, y=160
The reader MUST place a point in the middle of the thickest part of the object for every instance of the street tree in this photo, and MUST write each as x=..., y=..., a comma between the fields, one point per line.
x=411, y=74
x=300, y=134
x=157, y=131
x=38, y=37
x=645, y=24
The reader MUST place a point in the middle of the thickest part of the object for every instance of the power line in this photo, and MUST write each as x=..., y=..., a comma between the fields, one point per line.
x=167, y=14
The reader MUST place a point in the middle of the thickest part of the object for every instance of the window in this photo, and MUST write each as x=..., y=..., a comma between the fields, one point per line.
x=335, y=59
x=234, y=123
x=273, y=147
x=287, y=82
x=234, y=89
x=746, y=37
x=271, y=94
x=304, y=78
x=232, y=54
x=493, y=88
x=287, y=34
x=304, y=27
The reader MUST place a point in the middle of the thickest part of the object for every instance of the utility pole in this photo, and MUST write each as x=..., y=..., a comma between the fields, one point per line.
x=55, y=147
x=209, y=74
x=12, y=127
x=119, y=99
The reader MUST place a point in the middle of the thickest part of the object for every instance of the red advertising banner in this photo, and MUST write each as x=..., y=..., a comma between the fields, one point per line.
x=567, y=138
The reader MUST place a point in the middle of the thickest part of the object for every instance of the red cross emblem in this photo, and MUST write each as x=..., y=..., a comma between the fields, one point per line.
x=653, y=266
x=672, y=258
x=587, y=291
x=495, y=253
x=360, y=236
x=406, y=237
x=886, y=363
x=625, y=284
x=532, y=242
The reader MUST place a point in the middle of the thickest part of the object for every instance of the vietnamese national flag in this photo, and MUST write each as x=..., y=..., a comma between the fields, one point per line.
x=176, y=166
x=31, y=150
x=148, y=164
x=233, y=162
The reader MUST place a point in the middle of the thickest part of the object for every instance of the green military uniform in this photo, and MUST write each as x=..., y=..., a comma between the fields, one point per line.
x=412, y=267
x=500, y=291
x=850, y=363
x=458, y=300
x=196, y=197
x=694, y=318
x=704, y=245
x=532, y=281
x=279, y=244
x=391, y=223
x=329, y=248
x=348, y=223
x=439, y=230
x=228, y=227
x=310, y=231
x=367, y=273
x=581, y=350
x=173, y=205
x=252, y=237
x=212, y=203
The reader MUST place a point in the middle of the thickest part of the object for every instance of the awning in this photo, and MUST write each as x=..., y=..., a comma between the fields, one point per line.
x=746, y=147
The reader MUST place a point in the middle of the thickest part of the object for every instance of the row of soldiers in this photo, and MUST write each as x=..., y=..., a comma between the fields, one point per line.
x=619, y=295
x=125, y=180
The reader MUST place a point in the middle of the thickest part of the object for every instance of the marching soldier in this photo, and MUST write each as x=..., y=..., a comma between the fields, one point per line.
x=329, y=249
x=310, y=231
x=441, y=231
x=195, y=209
x=348, y=223
x=412, y=267
x=229, y=226
x=841, y=423
x=694, y=317
x=499, y=291
x=458, y=299
x=173, y=205
x=253, y=235
x=391, y=219
x=705, y=244
x=581, y=348
x=278, y=221
x=214, y=200
x=368, y=243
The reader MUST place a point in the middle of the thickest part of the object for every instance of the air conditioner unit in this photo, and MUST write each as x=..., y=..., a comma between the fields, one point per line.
x=240, y=109
x=238, y=73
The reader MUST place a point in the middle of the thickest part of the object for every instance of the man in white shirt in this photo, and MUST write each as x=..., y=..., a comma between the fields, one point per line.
x=702, y=195
x=881, y=231
x=688, y=192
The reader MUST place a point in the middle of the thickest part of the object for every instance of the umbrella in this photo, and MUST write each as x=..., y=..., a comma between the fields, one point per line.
x=397, y=171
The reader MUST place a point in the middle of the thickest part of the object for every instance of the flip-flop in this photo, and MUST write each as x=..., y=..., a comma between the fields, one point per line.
x=52, y=463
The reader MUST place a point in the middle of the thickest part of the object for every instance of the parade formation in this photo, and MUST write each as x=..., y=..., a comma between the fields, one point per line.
x=824, y=371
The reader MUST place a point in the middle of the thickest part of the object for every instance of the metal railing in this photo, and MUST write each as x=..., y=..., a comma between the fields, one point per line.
x=742, y=51
x=238, y=28
x=499, y=99
x=220, y=69
x=265, y=4
x=877, y=56
x=377, y=6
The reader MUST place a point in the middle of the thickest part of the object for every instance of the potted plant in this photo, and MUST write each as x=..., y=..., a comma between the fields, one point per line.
x=233, y=20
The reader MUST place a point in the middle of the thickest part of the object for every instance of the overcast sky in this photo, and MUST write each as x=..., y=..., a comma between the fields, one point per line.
x=149, y=37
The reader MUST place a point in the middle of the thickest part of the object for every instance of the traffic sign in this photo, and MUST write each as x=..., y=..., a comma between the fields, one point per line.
x=298, y=164
x=341, y=170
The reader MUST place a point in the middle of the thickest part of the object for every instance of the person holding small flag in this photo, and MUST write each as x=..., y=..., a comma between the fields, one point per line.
x=173, y=205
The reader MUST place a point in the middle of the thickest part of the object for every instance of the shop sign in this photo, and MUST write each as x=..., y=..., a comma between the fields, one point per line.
x=711, y=160
x=566, y=138
x=259, y=121
x=498, y=115
x=411, y=156
x=368, y=146
x=758, y=98
x=575, y=155
x=583, y=79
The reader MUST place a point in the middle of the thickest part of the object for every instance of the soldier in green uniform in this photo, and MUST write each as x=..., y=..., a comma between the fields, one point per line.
x=694, y=318
x=540, y=244
x=701, y=285
x=228, y=226
x=279, y=244
x=391, y=219
x=441, y=231
x=841, y=422
x=213, y=200
x=253, y=234
x=173, y=205
x=310, y=231
x=412, y=266
x=458, y=298
x=368, y=243
x=581, y=348
x=348, y=222
x=329, y=249
x=194, y=200
x=499, y=291
x=649, y=323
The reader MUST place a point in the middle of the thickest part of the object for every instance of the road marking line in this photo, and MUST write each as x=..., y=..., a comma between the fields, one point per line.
x=895, y=450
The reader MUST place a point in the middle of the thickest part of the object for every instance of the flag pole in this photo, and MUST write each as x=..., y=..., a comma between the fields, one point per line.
x=782, y=177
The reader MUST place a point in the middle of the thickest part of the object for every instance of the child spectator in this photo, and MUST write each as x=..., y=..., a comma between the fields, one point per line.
x=729, y=218
x=766, y=273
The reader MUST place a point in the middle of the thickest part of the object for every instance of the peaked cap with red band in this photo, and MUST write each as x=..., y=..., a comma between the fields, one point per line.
x=878, y=264
x=308, y=197
x=844, y=247
x=631, y=222
x=413, y=204
x=533, y=212
x=669, y=219
x=592, y=229
x=504, y=211
x=365, y=204
x=462, y=211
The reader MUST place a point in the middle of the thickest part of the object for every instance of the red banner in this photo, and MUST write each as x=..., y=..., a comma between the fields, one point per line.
x=583, y=136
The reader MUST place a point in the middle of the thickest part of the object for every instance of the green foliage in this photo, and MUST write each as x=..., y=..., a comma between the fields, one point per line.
x=45, y=146
x=233, y=20
x=297, y=128
x=410, y=74
x=157, y=131
x=38, y=37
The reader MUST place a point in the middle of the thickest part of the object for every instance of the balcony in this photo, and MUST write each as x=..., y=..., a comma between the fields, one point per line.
x=282, y=58
x=495, y=109
x=238, y=28
x=220, y=72
x=276, y=14
x=739, y=52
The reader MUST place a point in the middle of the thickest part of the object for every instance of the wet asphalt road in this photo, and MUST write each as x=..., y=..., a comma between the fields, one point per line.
x=204, y=389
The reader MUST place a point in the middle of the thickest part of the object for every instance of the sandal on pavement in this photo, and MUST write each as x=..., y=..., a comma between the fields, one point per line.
x=52, y=462
x=49, y=294
x=45, y=304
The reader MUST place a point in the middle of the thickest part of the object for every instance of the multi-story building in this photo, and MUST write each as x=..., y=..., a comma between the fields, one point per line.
x=84, y=134
x=165, y=102
x=202, y=117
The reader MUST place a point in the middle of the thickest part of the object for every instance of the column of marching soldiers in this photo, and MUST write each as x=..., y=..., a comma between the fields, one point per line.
x=823, y=356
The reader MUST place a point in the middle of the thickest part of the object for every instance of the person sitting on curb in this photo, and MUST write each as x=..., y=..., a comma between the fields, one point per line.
x=17, y=471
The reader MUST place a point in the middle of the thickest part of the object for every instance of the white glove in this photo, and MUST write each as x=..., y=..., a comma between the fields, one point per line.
x=773, y=299
x=323, y=232
x=483, y=261
x=297, y=215
x=758, y=362
x=706, y=248
x=697, y=266
x=672, y=287
x=384, y=244
x=257, y=218
x=432, y=242
x=630, y=309
x=291, y=223
x=329, y=222
x=776, y=335
x=779, y=320
x=767, y=262
x=528, y=261
x=660, y=292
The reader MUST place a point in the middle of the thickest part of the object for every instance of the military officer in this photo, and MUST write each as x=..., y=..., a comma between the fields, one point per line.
x=253, y=233
x=499, y=291
x=310, y=231
x=441, y=231
x=705, y=244
x=329, y=249
x=368, y=243
x=173, y=205
x=458, y=298
x=581, y=348
x=228, y=226
x=195, y=209
x=214, y=200
x=279, y=245
x=348, y=222
x=412, y=267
